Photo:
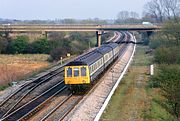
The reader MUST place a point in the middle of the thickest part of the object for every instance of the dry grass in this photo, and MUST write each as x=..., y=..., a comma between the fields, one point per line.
x=15, y=67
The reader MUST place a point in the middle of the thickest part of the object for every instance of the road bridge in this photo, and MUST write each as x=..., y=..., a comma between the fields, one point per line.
x=44, y=29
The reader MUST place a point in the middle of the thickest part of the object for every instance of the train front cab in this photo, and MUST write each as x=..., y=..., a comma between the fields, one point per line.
x=77, y=75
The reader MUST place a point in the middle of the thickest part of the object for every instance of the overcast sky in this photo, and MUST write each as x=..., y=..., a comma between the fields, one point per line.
x=60, y=9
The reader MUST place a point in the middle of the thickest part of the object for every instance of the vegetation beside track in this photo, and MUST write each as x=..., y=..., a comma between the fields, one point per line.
x=166, y=47
x=129, y=98
x=134, y=99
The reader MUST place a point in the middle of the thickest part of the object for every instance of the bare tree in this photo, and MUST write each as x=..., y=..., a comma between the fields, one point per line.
x=123, y=15
x=171, y=8
x=127, y=17
x=134, y=15
x=163, y=9
x=155, y=8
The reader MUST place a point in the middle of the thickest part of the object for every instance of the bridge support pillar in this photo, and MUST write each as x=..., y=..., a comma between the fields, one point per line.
x=149, y=33
x=146, y=36
x=98, y=35
x=45, y=34
x=6, y=34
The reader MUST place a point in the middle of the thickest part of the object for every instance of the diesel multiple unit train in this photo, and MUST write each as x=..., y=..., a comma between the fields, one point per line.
x=85, y=69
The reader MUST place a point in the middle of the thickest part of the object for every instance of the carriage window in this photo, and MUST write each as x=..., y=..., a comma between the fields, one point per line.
x=83, y=71
x=76, y=72
x=69, y=72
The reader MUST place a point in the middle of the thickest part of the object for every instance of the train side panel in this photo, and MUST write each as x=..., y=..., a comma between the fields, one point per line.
x=96, y=68
x=100, y=65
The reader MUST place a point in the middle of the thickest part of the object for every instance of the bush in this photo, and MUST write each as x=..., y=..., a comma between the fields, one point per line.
x=57, y=46
x=168, y=55
x=167, y=48
x=19, y=45
x=168, y=79
x=58, y=52
x=75, y=44
x=158, y=40
x=72, y=47
x=3, y=45
x=77, y=47
x=171, y=30
x=168, y=36
x=41, y=46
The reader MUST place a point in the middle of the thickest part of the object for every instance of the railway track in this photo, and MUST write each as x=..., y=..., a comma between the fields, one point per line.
x=12, y=109
x=65, y=106
x=33, y=105
x=10, y=103
x=56, y=107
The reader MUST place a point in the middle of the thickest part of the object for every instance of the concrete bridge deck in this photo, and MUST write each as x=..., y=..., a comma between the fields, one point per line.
x=57, y=28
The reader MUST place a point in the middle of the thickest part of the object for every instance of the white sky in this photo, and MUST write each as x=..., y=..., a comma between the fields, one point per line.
x=60, y=9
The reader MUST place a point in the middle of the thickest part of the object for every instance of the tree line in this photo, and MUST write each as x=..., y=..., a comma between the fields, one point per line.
x=21, y=45
x=155, y=11
x=162, y=10
x=57, y=44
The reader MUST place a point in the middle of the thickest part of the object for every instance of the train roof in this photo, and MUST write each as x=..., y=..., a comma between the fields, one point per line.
x=94, y=55
x=76, y=63
x=104, y=49
x=111, y=44
x=91, y=58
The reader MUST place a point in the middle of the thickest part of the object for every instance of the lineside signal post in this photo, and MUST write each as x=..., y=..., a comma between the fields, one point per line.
x=61, y=60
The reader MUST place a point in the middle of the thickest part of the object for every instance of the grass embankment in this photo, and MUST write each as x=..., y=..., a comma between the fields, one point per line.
x=15, y=67
x=134, y=99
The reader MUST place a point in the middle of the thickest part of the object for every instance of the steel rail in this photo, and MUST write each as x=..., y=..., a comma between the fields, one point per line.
x=23, y=110
x=70, y=108
x=25, y=85
x=30, y=90
x=36, y=109
x=55, y=108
